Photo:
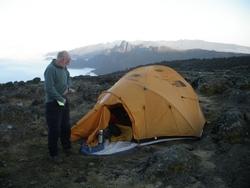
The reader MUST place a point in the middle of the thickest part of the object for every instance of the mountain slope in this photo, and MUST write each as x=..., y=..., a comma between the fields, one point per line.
x=128, y=55
x=90, y=51
x=197, y=44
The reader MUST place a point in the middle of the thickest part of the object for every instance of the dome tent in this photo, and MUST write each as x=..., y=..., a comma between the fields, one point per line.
x=159, y=103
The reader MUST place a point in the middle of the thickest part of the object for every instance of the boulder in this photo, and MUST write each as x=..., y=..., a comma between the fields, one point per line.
x=230, y=126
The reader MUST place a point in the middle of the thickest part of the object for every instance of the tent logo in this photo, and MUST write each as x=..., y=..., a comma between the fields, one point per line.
x=158, y=70
x=178, y=83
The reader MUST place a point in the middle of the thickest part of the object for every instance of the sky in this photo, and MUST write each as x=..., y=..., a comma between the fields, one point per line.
x=31, y=28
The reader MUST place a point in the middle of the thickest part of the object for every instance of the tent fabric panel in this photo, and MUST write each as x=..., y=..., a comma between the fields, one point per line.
x=171, y=93
x=104, y=117
x=163, y=126
x=139, y=75
x=184, y=127
x=132, y=98
x=194, y=115
x=157, y=77
x=161, y=72
x=96, y=119
x=187, y=106
x=165, y=123
x=88, y=124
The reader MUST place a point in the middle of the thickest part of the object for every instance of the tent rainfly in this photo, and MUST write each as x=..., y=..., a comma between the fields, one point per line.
x=159, y=102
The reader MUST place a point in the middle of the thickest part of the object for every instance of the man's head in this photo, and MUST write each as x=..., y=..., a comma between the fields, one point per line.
x=63, y=58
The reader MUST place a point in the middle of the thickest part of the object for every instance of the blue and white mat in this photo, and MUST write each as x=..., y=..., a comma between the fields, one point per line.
x=109, y=148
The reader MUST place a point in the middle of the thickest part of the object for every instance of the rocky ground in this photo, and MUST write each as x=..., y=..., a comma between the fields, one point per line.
x=221, y=158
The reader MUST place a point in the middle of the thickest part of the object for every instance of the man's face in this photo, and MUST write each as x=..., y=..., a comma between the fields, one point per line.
x=65, y=61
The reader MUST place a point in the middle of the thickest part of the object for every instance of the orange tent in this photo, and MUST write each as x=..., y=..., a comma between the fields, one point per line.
x=158, y=101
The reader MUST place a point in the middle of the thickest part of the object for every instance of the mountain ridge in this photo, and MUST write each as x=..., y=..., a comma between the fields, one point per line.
x=89, y=51
x=111, y=57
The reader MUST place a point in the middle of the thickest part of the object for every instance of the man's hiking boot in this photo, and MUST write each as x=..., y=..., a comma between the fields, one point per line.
x=56, y=159
x=71, y=151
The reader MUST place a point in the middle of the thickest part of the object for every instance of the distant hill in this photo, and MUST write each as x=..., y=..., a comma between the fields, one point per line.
x=120, y=55
x=90, y=51
x=197, y=44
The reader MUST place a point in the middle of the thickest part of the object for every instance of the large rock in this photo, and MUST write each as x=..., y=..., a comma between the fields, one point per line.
x=212, y=85
x=230, y=126
x=175, y=159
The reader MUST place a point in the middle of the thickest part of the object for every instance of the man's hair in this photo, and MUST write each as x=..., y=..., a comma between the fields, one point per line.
x=63, y=55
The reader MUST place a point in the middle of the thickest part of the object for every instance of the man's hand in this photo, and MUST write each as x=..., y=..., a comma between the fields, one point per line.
x=71, y=90
x=66, y=92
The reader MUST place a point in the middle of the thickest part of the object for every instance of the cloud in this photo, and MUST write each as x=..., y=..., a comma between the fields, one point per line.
x=12, y=71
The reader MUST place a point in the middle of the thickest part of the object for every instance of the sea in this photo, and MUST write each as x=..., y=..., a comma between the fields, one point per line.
x=12, y=71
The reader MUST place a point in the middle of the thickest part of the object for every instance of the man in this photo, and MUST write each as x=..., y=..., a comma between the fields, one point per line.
x=57, y=83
